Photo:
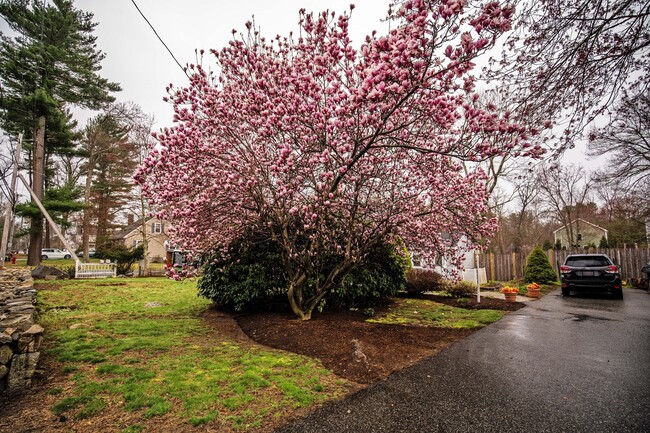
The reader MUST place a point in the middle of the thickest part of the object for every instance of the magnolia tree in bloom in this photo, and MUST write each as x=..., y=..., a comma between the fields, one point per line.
x=330, y=149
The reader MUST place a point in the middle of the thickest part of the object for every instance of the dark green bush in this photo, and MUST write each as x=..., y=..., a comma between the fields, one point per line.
x=538, y=269
x=123, y=256
x=254, y=276
x=251, y=276
x=461, y=289
x=382, y=274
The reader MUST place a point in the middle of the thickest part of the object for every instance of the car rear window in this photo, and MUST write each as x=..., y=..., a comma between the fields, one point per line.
x=586, y=261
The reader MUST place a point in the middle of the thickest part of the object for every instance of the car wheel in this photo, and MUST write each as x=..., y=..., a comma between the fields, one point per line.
x=566, y=291
x=43, y=257
x=617, y=294
x=67, y=256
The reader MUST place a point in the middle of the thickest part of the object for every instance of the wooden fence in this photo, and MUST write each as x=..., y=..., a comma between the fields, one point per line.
x=510, y=266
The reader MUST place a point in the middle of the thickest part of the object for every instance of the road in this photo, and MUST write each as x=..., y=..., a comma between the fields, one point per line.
x=580, y=364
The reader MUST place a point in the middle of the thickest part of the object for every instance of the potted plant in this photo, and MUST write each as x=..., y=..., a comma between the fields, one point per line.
x=533, y=290
x=511, y=293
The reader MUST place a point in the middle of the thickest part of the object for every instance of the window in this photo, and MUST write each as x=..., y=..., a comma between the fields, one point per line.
x=579, y=236
x=135, y=243
x=157, y=227
x=587, y=261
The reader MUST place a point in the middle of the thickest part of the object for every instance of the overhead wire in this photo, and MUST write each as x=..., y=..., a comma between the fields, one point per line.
x=159, y=38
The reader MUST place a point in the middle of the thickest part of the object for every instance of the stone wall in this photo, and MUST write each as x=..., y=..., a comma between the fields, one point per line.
x=20, y=337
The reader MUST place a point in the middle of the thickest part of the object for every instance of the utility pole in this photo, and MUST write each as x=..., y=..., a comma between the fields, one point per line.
x=10, y=203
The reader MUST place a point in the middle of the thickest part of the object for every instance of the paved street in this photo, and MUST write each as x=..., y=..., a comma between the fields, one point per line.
x=559, y=365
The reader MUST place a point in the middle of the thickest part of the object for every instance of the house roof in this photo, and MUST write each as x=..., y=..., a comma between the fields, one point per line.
x=128, y=230
x=586, y=222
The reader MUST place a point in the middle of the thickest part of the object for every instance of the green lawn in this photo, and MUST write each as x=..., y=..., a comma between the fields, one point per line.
x=147, y=362
x=422, y=312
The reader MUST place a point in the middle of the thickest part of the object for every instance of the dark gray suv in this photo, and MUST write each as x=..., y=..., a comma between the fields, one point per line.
x=590, y=273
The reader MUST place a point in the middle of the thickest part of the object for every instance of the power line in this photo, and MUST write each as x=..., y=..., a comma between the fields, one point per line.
x=159, y=38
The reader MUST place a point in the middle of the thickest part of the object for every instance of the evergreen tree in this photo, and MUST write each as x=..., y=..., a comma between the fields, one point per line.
x=538, y=269
x=112, y=157
x=51, y=61
x=603, y=243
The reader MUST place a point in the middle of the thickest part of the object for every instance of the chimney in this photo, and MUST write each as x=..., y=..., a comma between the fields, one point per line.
x=129, y=219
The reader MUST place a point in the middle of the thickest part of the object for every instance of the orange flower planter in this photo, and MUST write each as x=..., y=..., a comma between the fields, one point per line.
x=511, y=297
x=533, y=293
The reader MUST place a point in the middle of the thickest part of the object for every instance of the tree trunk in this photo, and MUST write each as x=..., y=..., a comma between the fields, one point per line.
x=145, y=239
x=295, y=298
x=85, y=234
x=47, y=237
x=303, y=308
x=36, y=226
x=100, y=202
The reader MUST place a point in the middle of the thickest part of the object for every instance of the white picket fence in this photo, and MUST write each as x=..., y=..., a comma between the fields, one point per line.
x=95, y=270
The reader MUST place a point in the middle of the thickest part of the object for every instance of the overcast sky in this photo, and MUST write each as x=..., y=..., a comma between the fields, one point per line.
x=141, y=64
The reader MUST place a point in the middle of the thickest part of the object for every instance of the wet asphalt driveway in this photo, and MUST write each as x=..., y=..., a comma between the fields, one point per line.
x=558, y=365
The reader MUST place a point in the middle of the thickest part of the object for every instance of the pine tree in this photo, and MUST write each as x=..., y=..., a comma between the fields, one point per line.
x=538, y=269
x=603, y=243
x=51, y=61
x=112, y=157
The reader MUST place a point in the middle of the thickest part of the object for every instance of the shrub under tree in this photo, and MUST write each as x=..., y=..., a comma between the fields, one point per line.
x=252, y=275
x=538, y=268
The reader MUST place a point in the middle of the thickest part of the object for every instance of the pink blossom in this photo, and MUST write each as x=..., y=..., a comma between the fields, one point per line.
x=339, y=147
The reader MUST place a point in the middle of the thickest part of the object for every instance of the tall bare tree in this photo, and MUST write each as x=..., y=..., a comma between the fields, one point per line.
x=564, y=193
x=626, y=141
x=141, y=136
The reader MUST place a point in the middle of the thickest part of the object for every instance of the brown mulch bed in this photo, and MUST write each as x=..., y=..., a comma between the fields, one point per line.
x=359, y=351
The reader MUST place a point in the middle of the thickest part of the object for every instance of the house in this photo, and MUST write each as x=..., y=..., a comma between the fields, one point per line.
x=152, y=231
x=579, y=233
x=469, y=271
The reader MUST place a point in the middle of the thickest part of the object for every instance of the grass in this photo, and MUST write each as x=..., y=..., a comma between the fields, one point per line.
x=119, y=354
x=421, y=312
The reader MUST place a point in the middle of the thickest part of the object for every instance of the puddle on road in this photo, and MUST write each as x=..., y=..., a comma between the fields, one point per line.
x=586, y=317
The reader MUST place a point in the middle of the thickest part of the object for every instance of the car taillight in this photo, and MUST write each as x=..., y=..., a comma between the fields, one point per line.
x=565, y=269
x=612, y=269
